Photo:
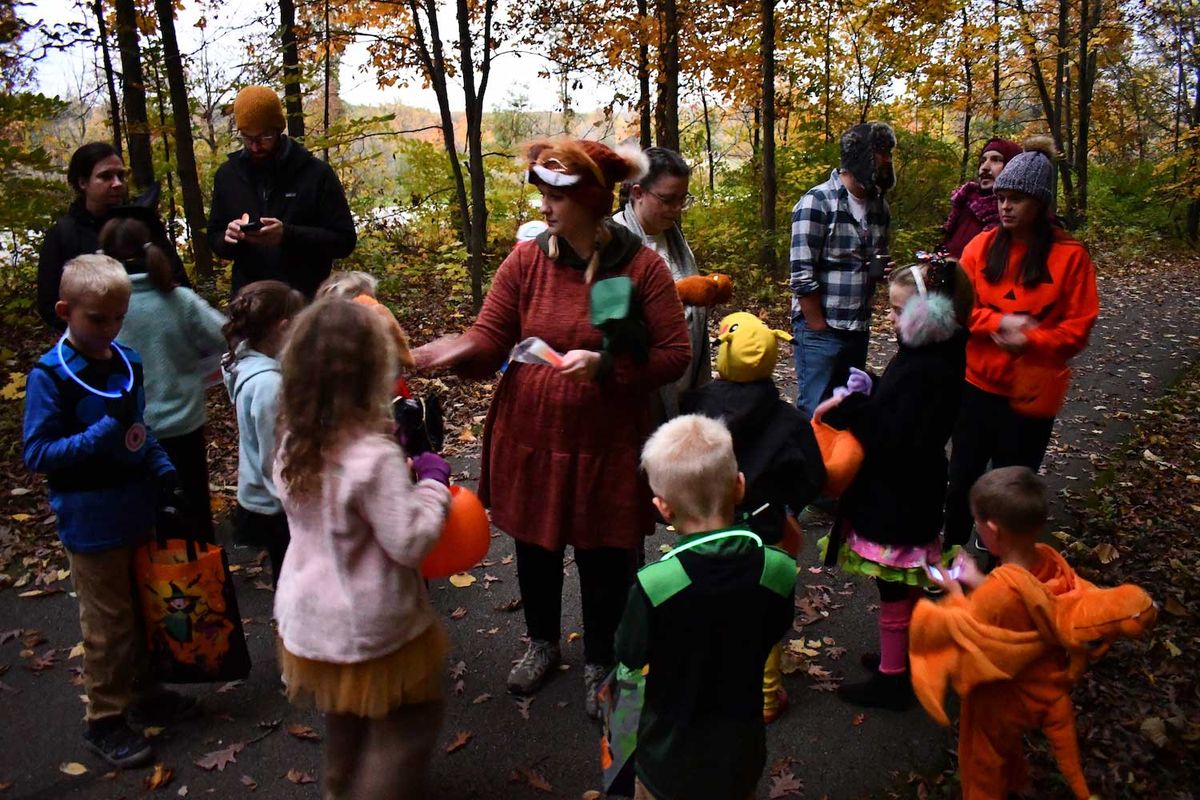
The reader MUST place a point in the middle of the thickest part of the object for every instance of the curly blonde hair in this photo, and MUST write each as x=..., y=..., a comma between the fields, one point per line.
x=338, y=366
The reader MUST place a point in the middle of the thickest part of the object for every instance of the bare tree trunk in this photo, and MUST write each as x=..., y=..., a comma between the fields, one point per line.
x=643, y=73
x=474, y=96
x=137, y=123
x=969, y=82
x=159, y=94
x=185, y=149
x=828, y=73
x=996, y=68
x=766, y=214
x=1089, y=17
x=667, y=110
x=293, y=92
x=325, y=117
x=1193, y=212
x=114, y=105
x=708, y=148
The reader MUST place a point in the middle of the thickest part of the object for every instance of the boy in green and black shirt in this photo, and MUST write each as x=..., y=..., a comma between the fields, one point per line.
x=704, y=619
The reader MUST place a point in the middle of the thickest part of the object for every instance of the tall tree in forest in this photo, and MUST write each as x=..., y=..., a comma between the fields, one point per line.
x=133, y=83
x=643, y=74
x=666, y=111
x=414, y=40
x=185, y=150
x=114, y=105
x=293, y=92
x=766, y=253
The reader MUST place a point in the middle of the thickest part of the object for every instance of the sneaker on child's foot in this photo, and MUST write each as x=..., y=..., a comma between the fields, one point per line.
x=117, y=743
x=593, y=676
x=163, y=707
x=531, y=669
x=880, y=691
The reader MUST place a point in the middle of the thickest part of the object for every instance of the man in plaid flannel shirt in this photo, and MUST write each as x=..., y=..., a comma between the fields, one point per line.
x=838, y=227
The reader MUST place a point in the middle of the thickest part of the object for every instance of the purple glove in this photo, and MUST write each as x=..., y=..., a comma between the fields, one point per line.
x=431, y=466
x=858, y=381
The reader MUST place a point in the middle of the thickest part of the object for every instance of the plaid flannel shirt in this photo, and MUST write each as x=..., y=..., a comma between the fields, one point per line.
x=831, y=251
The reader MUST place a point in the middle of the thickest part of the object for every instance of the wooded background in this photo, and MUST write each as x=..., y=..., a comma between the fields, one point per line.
x=754, y=93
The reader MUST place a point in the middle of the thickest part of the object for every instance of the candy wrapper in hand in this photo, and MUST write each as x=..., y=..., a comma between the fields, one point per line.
x=534, y=351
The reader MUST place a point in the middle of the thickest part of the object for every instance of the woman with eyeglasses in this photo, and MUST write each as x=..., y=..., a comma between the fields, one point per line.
x=96, y=174
x=653, y=206
x=278, y=211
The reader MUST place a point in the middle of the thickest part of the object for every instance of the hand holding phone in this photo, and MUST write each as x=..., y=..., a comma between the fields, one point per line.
x=252, y=227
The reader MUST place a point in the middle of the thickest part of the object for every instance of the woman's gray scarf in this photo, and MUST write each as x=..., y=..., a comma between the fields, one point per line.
x=682, y=264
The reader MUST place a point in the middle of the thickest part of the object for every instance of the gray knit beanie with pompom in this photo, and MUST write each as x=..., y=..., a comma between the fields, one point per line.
x=1031, y=172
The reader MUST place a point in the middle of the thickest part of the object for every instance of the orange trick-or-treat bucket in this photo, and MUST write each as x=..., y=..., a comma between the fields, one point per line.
x=465, y=536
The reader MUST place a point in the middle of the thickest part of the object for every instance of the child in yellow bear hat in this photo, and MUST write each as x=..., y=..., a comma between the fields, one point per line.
x=772, y=440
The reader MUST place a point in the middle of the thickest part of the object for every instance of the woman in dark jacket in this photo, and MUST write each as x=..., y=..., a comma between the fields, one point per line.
x=97, y=175
x=890, y=519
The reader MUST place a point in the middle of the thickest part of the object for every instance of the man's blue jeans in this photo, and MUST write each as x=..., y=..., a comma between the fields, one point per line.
x=823, y=361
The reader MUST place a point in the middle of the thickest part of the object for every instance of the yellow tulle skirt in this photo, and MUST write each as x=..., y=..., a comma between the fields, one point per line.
x=410, y=675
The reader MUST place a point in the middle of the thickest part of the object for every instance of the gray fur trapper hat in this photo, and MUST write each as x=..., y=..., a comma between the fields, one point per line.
x=859, y=146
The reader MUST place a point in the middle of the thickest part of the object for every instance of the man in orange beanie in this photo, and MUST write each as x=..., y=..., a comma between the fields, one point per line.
x=278, y=212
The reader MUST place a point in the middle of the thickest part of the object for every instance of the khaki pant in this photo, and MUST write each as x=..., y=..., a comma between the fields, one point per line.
x=381, y=759
x=114, y=653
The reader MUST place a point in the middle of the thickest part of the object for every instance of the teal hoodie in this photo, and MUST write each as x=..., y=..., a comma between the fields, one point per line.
x=253, y=381
x=175, y=332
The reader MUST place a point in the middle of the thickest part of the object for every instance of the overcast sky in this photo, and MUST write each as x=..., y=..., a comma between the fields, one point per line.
x=59, y=74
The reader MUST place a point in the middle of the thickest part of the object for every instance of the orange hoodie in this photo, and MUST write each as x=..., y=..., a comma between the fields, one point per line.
x=1065, y=309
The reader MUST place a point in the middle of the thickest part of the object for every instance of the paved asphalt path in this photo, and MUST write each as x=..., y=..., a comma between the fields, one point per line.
x=1147, y=334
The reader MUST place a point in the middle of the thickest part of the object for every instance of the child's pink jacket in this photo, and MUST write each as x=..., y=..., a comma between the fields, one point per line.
x=351, y=589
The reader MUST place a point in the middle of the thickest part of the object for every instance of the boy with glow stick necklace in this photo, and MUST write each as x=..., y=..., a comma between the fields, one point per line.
x=107, y=475
x=703, y=618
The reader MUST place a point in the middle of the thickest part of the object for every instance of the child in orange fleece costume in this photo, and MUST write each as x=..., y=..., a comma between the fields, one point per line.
x=1014, y=646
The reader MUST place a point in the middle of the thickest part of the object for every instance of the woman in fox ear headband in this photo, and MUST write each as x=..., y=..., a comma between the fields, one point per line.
x=561, y=445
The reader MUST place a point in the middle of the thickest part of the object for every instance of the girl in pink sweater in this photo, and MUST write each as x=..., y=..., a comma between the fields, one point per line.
x=359, y=637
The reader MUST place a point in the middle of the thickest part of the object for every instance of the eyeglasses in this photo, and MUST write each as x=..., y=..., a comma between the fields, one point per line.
x=261, y=139
x=675, y=202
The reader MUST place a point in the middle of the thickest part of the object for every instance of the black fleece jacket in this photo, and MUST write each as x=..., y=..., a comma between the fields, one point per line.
x=78, y=232
x=774, y=445
x=296, y=188
x=898, y=495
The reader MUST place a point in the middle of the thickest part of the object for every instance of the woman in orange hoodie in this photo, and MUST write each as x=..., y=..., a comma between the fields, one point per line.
x=1035, y=304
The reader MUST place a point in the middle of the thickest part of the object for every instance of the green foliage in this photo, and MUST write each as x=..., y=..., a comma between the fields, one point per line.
x=32, y=191
x=926, y=174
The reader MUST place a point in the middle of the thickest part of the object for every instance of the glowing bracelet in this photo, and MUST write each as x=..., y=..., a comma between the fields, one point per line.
x=712, y=537
x=110, y=395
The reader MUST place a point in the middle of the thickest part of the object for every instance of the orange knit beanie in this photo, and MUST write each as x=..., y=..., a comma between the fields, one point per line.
x=257, y=108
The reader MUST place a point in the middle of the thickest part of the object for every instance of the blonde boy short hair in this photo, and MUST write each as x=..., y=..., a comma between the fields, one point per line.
x=348, y=284
x=691, y=466
x=93, y=275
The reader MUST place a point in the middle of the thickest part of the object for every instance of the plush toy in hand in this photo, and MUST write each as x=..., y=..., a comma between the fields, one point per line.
x=704, y=290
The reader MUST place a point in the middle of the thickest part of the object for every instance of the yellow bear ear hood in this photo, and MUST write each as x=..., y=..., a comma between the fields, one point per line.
x=748, y=349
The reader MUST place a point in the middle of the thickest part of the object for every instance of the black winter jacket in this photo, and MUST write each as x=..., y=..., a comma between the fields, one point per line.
x=898, y=495
x=78, y=232
x=296, y=188
x=774, y=445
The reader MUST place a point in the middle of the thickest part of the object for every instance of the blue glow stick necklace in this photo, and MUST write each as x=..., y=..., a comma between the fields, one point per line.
x=110, y=395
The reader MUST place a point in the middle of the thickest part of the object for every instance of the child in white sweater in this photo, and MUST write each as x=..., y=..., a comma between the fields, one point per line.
x=359, y=636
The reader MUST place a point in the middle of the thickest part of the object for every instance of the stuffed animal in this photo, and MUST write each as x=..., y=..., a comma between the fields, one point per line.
x=704, y=290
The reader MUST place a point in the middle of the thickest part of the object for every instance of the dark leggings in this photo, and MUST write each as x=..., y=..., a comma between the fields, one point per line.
x=264, y=530
x=189, y=454
x=987, y=430
x=605, y=575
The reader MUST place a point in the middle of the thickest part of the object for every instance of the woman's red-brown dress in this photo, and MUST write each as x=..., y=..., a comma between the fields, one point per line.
x=560, y=457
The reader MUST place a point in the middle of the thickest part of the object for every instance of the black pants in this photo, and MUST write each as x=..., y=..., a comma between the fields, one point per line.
x=189, y=454
x=264, y=530
x=987, y=430
x=605, y=575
